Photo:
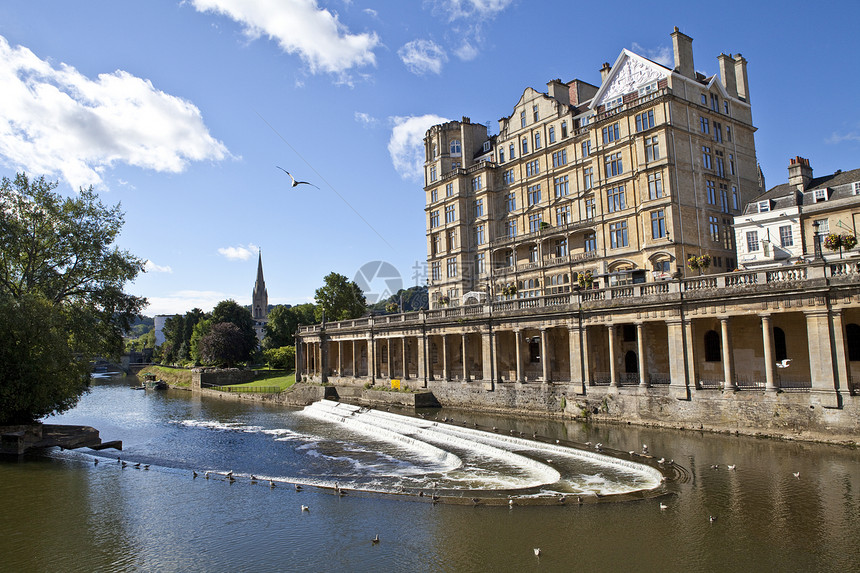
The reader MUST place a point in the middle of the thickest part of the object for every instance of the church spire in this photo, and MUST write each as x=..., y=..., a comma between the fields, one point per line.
x=260, y=297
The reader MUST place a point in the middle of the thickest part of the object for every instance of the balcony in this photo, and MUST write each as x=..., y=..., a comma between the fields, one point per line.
x=547, y=232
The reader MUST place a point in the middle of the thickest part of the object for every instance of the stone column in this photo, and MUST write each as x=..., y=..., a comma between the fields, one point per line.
x=422, y=342
x=300, y=356
x=324, y=356
x=340, y=358
x=546, y=371
x=644, y=382
x=677, y=360
x=821, y=366
x=465, y=357
x=839, y=348
x=487, y=356
x=405, y=358
x=690, y=346
x=446, y=367
x=354, y=371
x=613, y=374
x=769, y=365
x=575, y=349
x=586, y=359
x=388, y=359
x=371, y=358
x=728, y=356
x=518, y=343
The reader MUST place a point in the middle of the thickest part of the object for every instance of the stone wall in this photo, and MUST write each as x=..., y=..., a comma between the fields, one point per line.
x=208, y=377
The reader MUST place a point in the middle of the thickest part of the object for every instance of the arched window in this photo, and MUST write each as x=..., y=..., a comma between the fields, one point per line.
x=779, y=344
x=455, y=147
x=712, y=346
x=852, y=335
x=631, y=363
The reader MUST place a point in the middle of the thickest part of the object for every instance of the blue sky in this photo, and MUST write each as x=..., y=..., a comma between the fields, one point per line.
x=181, y=109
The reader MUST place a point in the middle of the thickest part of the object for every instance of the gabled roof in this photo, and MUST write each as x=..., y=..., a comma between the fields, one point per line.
x=629, y=72
x=787, y=195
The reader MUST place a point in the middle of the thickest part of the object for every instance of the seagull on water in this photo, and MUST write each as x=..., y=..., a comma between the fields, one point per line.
x=712, y=518
x=663, y=506
x=537, y=551
x=298, y=487
x=306, y=508
x=375, y=540
x=296, y=183
x=797, y=475
x=731, y=466
x=96, y=462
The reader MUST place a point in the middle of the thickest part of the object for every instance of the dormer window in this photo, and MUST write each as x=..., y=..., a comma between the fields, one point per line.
x=486, y=146
x=820, y=195
x=647, y=89
x=763, y=206
x=855, y=187
x=613, y=103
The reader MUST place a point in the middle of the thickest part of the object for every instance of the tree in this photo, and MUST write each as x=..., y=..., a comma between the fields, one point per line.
x=283, y=357
x=340, y=299
x=61, y=297
x=223, y=345
x=230, y=311
x=283, y=323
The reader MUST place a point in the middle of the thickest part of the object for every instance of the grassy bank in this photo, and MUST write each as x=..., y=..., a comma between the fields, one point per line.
x=180, y=377
x=265, y=381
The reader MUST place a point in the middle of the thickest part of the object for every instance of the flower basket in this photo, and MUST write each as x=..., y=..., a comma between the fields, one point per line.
x=444, y=300
x=698, y=263
x=585, y=279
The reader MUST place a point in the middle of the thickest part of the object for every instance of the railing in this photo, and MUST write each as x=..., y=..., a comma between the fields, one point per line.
x=628, y=379
x=744, y=383
x=710, y=384
x=796, y=383
x=660, y=379
x=601, y=379
x=249, y=390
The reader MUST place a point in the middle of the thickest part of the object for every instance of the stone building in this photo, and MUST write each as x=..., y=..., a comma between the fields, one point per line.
x=260, y=301
x=623, y=181
x=790, y=223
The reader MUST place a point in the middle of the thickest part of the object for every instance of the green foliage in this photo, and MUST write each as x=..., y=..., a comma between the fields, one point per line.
x=61, y=281
x=340, y=299
x=283, y=323
x=239, y=316
x=177, y=347
x=283, y=358
x=200, y=330
x=223, y=345
x=414, y=298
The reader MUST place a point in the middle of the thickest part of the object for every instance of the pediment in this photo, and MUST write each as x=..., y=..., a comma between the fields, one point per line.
x=630, y=72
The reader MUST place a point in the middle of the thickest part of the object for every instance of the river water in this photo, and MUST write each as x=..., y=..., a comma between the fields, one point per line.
x=61, y=511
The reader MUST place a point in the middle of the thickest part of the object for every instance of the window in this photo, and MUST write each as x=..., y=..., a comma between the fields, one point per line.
x=535, y=112
x=533, y=194
x=855, y=187
x=501, y=155
x=479, y=208
x=763, y=206
x=615, y=199
x=437, y=243
x=712, y=347
x=511, y=228
x=434, y=195
x=511, y=154
x=714, y=229
x=533, y=168
x=706, y=157
x=752, y=241
x=432, y=173
x=785, y=237
x=562, y=215
x=525, y=146
x=449, y=190
x=533, y=251
x=724, y=198
x=452, y=267
x=658, y=224
x=523, y=118
x=661, y=266
x=614, y=165
x=718, y=132
x=647, y=89
x=731, y=164
x=436, y=270
x=434, y=151
x=655, y=185
x=735, y=200
x=852, y=335
x=618, y=234
x=560, y=248
x=508, y=176
x=729, y=237
x=704, y=125
x=537, y=140
x=589, y=241
x=820, y=195
x=823, y=226
x=510, y=202
x=586, y=148
x=704, y=99
x=434, y=219
x=563, y=129
x=590, y=210
x=721, y=166
x=509, y=258
x=588, y=177
x=645, y=120
x=652, y=148
x=559, y=158
x=480, y=264
x=455, y=165
x=480, y=239
x=551, y=134
x=561, y=187
x=486, y=146
x=610, y=133
x=455, y=147
x=452, y=240
x=728, y=133
x=711, y=189
x=476, y=183
x=534, y=223
x=612, y=104
x=450, y=214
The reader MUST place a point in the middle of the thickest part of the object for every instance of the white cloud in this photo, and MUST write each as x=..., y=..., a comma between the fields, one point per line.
x=153, y=268
x=484, y=9
x=422, y=56
x=406, y=145
x=467, y=52
x=240, y=253
x=300, y=27
x=836, y=138
x=54, y=119
x=371, y=12
x=662, y=55
x=365, y=119
x=182, y=301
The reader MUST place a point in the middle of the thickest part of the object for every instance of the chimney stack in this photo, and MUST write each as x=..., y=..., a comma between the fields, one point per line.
x=683, y=47
x=559, y=91
x=799, y=173
x=741, y=75
x=727, y=74
x=604, y=71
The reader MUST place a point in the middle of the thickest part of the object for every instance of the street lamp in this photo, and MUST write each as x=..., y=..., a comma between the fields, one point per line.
x=816, y=246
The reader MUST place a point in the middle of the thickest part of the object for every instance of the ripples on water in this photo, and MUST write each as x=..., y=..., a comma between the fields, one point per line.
x=63, y=513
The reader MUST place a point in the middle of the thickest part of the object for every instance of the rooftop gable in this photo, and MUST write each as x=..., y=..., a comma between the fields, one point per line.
x=630, y=72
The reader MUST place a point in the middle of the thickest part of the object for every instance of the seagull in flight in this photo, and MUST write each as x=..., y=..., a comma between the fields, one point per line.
x=296, y=183
x=784, y=363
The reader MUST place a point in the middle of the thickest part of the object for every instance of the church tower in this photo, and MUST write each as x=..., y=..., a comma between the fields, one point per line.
x=260, y=301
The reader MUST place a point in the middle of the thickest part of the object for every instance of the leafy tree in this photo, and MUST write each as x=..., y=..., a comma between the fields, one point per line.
x=283, y=357
x=414, y=298
x=223, y=345
x=200, y=330
x=283, y=323
x=230, y=311
x=340, y=299
x=61, y=297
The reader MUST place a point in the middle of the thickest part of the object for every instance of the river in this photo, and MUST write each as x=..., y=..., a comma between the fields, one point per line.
x=64, y=512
